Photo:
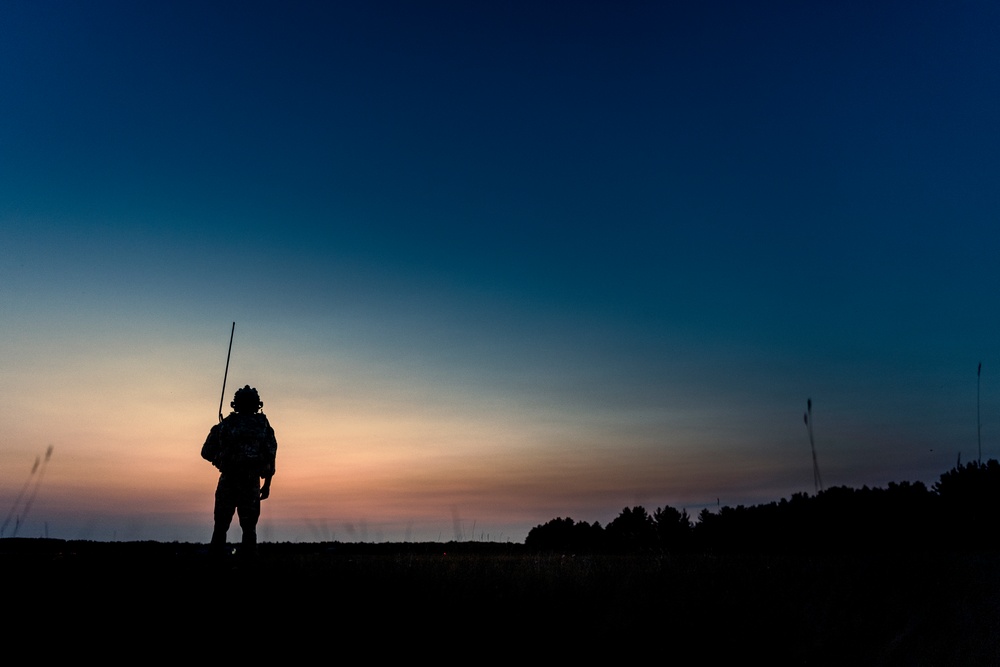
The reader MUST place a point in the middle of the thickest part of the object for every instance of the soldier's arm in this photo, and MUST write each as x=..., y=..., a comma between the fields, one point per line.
x=272, y=450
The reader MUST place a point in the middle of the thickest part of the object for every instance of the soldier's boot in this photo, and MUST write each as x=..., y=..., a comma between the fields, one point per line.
x=248, y=548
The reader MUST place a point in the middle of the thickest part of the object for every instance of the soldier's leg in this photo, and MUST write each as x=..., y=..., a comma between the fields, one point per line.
x=249, y=512
x=225, y=507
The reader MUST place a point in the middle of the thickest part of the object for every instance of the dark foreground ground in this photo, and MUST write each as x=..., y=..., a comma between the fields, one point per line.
x=446, y=599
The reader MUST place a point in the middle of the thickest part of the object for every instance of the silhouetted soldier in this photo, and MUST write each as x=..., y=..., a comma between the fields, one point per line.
x=242, y=446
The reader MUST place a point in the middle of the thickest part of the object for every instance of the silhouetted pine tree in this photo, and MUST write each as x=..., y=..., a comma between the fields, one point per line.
x=632, y=530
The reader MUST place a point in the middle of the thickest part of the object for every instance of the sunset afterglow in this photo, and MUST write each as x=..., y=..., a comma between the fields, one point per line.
x=490, y=265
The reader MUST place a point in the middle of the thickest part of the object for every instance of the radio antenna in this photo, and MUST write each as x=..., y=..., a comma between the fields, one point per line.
x=226, y=376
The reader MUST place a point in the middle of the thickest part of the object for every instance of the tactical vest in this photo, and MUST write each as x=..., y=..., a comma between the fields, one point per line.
x=243, y=444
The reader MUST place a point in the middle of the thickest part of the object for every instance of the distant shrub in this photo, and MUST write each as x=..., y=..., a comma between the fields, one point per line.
x=566, y=535
x=962, y=511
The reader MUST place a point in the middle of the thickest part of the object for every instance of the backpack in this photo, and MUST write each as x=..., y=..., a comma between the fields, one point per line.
x=240, y=442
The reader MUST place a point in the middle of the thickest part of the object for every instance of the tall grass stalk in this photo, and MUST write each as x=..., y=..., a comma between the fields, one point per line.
x=817, y=480
x=20, y=495
x=979, y=424
x=40, y=465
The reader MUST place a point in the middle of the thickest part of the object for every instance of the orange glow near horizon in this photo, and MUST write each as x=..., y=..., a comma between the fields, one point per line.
x=362, y=451
x=416, y=466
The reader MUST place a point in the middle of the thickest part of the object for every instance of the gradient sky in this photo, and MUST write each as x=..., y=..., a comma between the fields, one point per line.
x=491, y=263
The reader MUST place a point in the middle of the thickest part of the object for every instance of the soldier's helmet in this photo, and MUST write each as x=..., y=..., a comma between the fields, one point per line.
x=247, y=400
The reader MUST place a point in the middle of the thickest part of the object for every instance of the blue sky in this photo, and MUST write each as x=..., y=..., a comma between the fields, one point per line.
x=493, y=264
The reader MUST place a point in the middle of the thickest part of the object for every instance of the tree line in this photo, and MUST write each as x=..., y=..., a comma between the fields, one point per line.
x=960, y=511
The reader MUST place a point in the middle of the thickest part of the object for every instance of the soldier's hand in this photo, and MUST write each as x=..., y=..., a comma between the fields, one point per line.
x=265, y=491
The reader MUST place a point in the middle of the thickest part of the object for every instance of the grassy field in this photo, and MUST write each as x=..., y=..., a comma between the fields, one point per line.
x=808, y=609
